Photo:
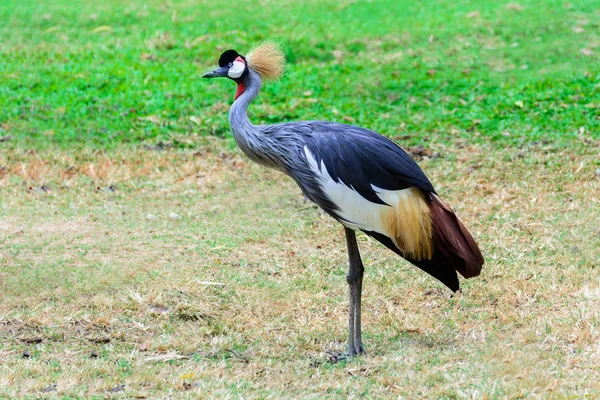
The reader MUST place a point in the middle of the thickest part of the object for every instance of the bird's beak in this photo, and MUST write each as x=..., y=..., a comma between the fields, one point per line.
x=217, y=73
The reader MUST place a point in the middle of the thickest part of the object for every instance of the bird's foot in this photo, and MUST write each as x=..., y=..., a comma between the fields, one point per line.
x=356, y=350
x=335, y=358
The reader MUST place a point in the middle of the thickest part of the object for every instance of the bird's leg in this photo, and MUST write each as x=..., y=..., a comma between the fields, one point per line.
x=358, y=346
x=354, y=279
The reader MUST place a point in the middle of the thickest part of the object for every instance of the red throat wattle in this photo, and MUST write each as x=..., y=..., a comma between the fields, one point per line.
x=240, y=90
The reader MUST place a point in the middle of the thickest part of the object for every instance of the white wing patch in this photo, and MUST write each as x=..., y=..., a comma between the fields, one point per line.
x=392, y=197
x=404, y=218
x=237, y=69
x=358, y=212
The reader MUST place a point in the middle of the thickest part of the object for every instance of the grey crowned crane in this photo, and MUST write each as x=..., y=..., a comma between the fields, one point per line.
x=362, y=179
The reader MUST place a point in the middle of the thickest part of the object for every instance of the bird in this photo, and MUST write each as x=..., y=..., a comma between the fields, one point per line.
x=361, y=178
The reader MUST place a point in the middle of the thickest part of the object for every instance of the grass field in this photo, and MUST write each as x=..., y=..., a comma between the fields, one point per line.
x=142, y=256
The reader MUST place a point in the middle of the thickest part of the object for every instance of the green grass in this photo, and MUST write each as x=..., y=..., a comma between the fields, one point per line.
x=92, y=74
x=141, y=256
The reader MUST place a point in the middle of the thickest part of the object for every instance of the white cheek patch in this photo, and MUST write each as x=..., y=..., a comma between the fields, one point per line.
x=237, y=69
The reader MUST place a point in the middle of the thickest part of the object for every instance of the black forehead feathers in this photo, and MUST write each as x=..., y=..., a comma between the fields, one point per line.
x=228, y=56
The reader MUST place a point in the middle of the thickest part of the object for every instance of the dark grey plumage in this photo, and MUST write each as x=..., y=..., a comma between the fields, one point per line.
x=355, y=156
x=363, y=180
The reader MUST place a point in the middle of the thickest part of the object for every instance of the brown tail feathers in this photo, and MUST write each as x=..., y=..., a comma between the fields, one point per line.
x=453, y=246
x=452, y=239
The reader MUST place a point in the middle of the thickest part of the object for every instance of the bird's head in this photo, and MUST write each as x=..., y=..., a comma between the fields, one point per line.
x=266, y=59
x=231, y=65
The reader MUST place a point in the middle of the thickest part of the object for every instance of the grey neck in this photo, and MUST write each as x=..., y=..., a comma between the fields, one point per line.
x=249, y=138
x=243, y=130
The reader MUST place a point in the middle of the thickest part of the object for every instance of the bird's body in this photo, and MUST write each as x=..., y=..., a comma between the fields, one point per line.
x=363, y=180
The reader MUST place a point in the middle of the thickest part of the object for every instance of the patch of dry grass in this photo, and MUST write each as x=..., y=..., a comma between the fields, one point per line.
x=145, y=273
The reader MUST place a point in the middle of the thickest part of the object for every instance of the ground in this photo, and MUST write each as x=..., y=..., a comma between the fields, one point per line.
x=141, y=255
x=147, y=272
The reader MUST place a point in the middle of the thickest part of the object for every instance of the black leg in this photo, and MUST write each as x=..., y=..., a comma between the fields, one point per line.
x=358, y=346
x=354, y=279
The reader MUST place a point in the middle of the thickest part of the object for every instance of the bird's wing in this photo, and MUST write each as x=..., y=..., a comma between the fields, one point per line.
x=366, y=182
x=369, y=183
x=363, y=159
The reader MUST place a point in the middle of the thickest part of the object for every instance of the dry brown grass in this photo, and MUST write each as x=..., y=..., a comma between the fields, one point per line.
x=143, y=273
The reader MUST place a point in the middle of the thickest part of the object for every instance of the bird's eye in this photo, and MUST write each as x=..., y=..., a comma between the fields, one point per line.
x=230, y=64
